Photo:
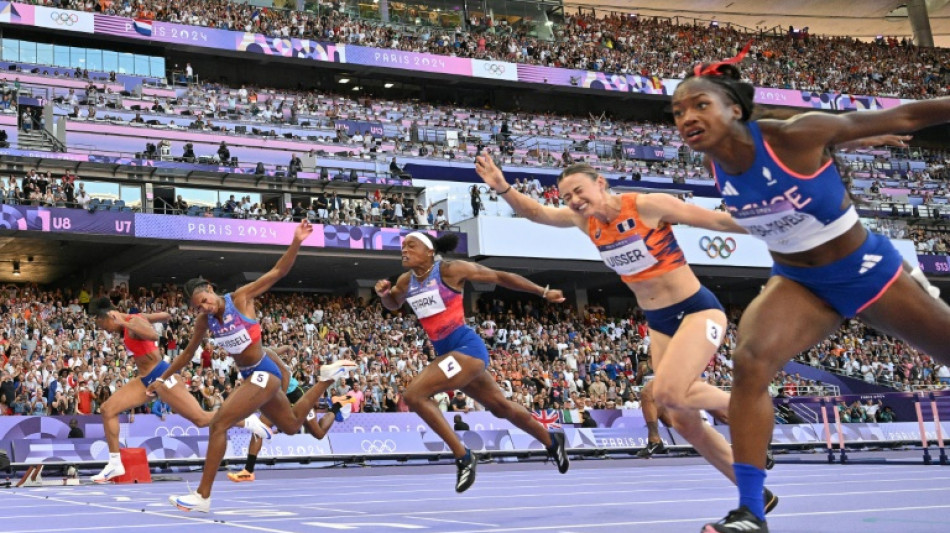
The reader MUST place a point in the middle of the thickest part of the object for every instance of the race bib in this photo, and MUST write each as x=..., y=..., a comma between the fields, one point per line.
x=260, y=378
x=234, y=343
x=627, y=257
x=427, y=303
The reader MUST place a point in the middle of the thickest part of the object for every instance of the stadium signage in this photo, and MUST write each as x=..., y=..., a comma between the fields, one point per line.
x=62, y=20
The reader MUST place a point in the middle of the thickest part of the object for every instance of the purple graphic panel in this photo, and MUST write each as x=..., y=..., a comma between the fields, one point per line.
x=647, y=153
x=376, y=443
x=378, y=57
x=352, y=127
x=62, y=220
x=937, y=265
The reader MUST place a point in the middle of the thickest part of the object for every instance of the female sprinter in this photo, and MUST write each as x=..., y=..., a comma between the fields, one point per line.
x=317, y=428
x=140, y=340
x=687, y=323
x=433, y=288
x=778, y=180
x=230, y=321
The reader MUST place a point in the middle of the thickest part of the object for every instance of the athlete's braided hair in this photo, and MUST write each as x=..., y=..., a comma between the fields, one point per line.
x=726, y=76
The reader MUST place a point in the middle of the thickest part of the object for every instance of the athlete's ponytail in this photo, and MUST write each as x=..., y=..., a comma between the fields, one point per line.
x=445, y=243
x=726, y=76
x=102, y=306
x=195, y=284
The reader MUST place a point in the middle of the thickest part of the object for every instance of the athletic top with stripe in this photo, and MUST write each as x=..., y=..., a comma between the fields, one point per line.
x=235, y=332
x=791, y=212
x=633, y=250
x=438, y=306
x=137, y=347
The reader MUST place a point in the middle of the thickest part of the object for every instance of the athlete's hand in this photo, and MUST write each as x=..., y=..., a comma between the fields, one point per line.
x=383, y=287
x=555, y=296
x=490, y=173
x=899, y=141
x=156, y=385
x=303, y=231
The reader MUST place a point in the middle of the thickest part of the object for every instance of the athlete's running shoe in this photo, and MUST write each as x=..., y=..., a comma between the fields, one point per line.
x=771, y=500
x=769, y=459
x=337, y=370
x=113, y=469
x=558, y=452
x=739, y=520
x=466, y=472
x=241, y=477
x=651, y=449
x=191, y=502
x=253, y=424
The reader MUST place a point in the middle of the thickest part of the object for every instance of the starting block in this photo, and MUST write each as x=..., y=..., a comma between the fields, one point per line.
x=135, y=461
x=34, y=478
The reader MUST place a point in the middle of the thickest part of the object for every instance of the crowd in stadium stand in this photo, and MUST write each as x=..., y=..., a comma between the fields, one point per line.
x=54, y=361
x=612, y=43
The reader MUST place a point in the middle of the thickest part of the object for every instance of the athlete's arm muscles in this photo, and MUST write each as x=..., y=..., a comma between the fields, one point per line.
x=666, y=208
x=282, y=268
x=197, y=334
x=456, y=272
x=523, y=205
x=824, y=129
x=141, y=328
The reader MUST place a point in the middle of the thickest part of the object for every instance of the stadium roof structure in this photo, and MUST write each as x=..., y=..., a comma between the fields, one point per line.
x=864, y=20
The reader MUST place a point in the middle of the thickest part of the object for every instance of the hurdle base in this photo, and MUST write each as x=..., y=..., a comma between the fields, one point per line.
x=33, y=477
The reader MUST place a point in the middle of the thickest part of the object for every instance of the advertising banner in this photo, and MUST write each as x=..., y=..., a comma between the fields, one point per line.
x=62, y=220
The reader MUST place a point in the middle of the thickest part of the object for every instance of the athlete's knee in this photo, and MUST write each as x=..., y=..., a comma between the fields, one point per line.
x=689, y=424
x=109, y=410
x=500, y=408
x=669, y=394
x=752, y=368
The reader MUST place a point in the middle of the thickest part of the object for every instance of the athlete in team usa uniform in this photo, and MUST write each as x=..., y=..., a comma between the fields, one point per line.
x=779, y=181
x=433, y=289
x=687, y=323
x=230, y=319
x=139, y=337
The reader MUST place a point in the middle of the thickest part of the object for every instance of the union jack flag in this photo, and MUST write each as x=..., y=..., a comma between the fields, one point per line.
x=549, y=418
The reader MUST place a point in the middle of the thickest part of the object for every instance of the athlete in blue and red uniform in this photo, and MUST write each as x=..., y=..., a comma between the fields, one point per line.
x=433, y=288
x=779, y=181
x=140, y=338
x=230, y=321
x=633, y=233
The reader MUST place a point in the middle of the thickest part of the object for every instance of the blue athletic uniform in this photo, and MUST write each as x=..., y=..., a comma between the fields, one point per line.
x=235, y=332
x=793, y=213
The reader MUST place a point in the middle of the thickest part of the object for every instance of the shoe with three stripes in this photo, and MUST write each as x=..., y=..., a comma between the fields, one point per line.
x=739, y=520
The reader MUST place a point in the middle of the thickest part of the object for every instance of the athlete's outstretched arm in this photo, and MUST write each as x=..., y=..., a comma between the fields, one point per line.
x=823, y=129
x=141, y=328
x=670, y=209
x=185, y=356
x=156, y=317
x=523, y=205
x=281, y=269
x=456, y=273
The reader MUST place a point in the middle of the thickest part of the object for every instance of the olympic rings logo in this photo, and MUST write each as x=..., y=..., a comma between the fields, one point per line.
x=717, y=246
x=378, y=446
x=64, y=19
x=494, y=68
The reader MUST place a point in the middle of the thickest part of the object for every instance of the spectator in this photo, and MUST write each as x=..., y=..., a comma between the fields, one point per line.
x=75, y=432
x=460, y=425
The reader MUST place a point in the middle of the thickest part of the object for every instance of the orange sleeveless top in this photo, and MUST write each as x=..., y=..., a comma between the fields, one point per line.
x=630, y=248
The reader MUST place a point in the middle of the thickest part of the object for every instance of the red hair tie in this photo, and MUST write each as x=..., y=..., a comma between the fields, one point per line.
x=713, y=69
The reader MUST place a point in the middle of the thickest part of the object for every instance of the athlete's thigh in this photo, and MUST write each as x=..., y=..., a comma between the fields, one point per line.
x=180, y=400
x=483, y=389
x=132, y=394
x=447, y=372
x=658, y=344
x=907, y=311
x=695, y=342
x=784, y=320
x=254, y=392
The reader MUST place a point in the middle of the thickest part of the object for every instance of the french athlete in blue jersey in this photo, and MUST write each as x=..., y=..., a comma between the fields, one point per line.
x=780, y=182
x=433, y=289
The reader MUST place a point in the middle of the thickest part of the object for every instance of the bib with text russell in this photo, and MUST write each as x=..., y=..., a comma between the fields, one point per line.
x=627, y=257
x=234, y=343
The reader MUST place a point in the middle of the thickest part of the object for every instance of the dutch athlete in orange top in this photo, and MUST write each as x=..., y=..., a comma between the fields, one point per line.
x=433, y=288
x=139, y=337
x=232, y=322
x=687, y=323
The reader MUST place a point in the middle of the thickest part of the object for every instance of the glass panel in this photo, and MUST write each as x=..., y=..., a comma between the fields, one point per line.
x=199, y=197
x=11, y=50
x=110, y=61
x=238, y=195
x=27, y=52
x=157, y=67
x=132, y=196
x=44, y=54
x=101, y=190
x=141, y=65
x=61, y=56
x=77, y=57
x=126, y=64
x=94, y=60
